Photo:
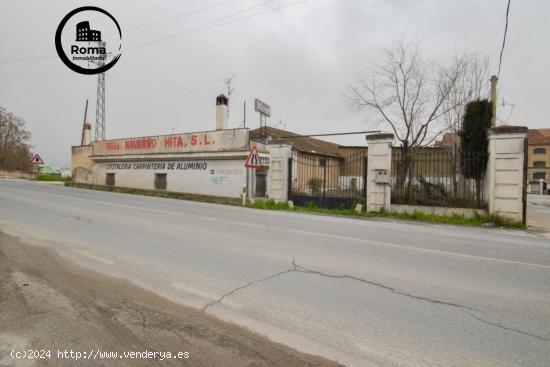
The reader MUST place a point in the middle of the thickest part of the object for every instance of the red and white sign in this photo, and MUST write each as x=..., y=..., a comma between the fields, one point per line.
x=36, y=159
x=253, y=160
x=206, y=141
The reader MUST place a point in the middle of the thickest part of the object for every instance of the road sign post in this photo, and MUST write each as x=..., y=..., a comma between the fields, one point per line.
x=265, y=111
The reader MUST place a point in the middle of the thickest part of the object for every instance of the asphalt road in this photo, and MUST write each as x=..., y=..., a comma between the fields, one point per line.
x=360, y=292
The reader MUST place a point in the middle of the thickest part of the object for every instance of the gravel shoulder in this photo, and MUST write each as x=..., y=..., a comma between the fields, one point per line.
x=50, y=304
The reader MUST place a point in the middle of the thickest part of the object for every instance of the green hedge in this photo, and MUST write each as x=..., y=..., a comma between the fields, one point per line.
x=52, y=178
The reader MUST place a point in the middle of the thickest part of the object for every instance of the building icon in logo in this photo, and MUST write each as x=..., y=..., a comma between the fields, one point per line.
x=84, y=33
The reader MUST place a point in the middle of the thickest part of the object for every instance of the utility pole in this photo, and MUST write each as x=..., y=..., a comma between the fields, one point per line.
x=100, y=102
x=84, y=123
x=494, y=81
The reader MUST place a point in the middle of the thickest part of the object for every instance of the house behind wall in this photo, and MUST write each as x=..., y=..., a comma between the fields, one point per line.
x=538, y=160
x=311, y=158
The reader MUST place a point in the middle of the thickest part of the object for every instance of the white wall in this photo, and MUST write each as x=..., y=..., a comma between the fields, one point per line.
x=213, y=177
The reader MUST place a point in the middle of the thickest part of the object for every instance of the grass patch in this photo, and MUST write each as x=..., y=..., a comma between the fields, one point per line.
x=311, y=208
x=52, y=178
x=477, y=220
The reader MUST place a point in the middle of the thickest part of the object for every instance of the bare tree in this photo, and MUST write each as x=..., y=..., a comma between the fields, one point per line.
x=472, y=85
x=409, y=94
x=14, y=142
x=416, y=98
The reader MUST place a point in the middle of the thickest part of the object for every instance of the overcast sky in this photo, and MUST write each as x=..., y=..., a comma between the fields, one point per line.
x=298, y=58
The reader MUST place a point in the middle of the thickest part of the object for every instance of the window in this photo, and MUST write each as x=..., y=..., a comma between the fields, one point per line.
x=539, y=176
x=539, y=151
x=160, y=181
x=110, y=179
x=539, y=164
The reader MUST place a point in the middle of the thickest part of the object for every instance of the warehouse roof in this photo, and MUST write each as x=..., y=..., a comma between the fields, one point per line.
x=300, y=143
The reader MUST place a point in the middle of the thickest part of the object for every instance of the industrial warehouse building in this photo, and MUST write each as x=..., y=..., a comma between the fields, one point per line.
x=308, y=170
x=203, y=163
x=213, y=162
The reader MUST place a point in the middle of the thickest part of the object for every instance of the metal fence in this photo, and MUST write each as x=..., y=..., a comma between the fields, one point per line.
x=260, y=186
x=438, y=177
x=328, y=182
x=538, y=179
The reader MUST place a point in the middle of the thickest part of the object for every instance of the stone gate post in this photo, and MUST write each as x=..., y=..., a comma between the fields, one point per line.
x=379, y=168
x=504, y=177
x=277, y=178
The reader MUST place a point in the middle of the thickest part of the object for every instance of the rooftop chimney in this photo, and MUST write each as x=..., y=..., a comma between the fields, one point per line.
x=87, y=134
x=221, y=112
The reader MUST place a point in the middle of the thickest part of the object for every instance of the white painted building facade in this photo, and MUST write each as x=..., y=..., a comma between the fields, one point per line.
x=202, y=163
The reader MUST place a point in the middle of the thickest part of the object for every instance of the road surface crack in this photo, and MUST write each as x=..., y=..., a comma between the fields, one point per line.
x=219, y=300
x=80, y=219
x=302, y=269
x=506, y=327
x=470, y=311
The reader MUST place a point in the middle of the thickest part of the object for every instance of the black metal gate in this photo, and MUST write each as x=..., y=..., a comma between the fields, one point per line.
x=443, y=177
x=328, y=182
x=261, y=183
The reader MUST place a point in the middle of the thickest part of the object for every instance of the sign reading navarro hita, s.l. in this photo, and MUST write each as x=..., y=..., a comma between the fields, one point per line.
x=207, y=141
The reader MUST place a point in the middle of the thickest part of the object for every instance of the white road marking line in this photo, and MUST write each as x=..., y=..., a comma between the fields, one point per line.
x=195, y=292
x=97, y=258
x=338, y=237
x=420, y=249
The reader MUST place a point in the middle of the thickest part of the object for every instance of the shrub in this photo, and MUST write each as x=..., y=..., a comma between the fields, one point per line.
x=315, y=184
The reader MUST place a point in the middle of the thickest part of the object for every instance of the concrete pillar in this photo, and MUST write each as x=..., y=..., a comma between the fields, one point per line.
x=504, y=177
x=379, y=167
x=277, y=178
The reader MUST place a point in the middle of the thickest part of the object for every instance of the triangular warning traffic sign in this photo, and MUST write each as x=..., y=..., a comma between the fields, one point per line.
x=36, y=159
x=253, y=160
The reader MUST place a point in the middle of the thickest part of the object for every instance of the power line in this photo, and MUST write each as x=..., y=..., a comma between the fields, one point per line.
x=205, y=27
x=329, y=134
x=182, y=15
x=504, y=38
x=161, y=21
x=201, y=26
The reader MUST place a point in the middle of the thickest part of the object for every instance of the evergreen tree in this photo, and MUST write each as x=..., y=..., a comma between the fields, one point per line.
x=474, y=141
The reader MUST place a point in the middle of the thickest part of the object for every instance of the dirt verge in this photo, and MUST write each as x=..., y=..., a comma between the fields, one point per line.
x=50, y=304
